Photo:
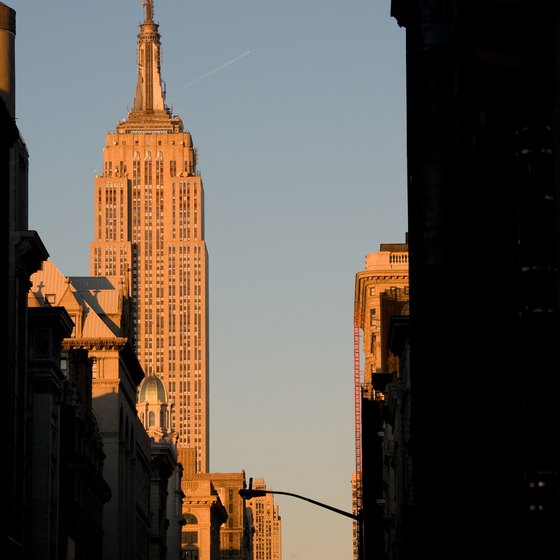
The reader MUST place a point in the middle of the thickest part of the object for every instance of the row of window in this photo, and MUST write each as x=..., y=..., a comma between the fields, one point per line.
x=121, y=170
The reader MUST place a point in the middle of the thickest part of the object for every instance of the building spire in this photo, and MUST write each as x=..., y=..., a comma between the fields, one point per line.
x=149, y=110
x=149, y=91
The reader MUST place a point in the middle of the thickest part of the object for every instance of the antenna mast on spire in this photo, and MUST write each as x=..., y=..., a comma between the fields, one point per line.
x=149, y=7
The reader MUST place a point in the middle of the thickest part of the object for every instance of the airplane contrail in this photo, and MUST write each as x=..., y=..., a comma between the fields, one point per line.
x=217, y=69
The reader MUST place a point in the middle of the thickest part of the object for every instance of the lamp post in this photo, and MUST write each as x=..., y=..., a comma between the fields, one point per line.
x=248, y=493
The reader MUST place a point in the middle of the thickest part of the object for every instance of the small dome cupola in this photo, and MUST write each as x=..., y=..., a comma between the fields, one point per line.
x=153, y=408
x=152, y=390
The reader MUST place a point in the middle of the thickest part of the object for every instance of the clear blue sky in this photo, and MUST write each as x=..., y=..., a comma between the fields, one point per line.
x=297, y=109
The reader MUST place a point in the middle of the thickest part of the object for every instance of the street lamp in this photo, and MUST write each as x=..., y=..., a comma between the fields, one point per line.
x=248, y=493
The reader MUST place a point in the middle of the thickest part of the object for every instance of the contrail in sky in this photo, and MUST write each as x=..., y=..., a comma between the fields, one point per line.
x=217, y=69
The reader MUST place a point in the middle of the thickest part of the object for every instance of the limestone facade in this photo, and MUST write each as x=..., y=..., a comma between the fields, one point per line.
x=149, y=227
x=385, y=270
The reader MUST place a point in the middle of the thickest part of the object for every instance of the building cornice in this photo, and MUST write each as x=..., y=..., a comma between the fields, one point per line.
x=98, y=343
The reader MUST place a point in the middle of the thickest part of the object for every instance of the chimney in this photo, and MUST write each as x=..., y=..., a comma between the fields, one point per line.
x=7, y=57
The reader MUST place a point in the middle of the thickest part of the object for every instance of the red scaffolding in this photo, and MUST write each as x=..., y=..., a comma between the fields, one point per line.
x=358, y=413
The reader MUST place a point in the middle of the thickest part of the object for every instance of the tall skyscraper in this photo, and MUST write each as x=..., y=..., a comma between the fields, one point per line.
x=149, y=226
x=267, y=538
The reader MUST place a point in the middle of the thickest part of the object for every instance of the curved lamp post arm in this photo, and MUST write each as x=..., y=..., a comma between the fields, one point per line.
x=248, y=493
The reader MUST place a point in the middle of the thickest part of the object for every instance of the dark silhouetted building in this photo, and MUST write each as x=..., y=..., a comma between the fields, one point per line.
x=483, y=137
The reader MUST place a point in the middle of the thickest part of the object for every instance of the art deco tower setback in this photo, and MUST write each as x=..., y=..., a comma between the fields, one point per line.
x=149, y=226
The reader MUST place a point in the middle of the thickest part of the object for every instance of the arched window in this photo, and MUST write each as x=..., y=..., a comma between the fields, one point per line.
x=151, y=418
x=190, y=519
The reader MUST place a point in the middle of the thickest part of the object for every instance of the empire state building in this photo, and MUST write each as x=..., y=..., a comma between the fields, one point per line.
x=149, y=227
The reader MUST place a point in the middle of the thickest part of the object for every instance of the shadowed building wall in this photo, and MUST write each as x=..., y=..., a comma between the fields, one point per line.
x=25, y=254
x=483, y=141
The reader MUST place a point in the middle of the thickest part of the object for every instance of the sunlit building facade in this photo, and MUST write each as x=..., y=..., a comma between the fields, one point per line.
x=381, y=293
x=267, y=524
x=149, y=227
x=385, y=270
